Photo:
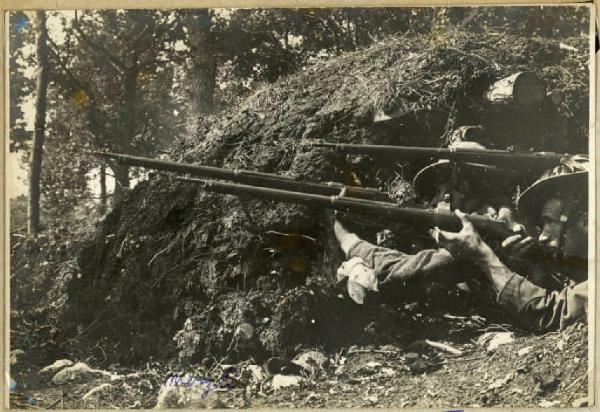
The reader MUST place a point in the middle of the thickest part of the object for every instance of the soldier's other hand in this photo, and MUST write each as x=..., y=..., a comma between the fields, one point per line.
x=465, y=244
x=517, y=246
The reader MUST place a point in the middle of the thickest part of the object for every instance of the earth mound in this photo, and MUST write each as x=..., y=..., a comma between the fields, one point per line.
x=175, y=269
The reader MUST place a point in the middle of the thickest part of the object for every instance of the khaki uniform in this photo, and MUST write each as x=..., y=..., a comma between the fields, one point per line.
x=392, y=266
x=537, y=308
x=541, y=309
x=401, y=276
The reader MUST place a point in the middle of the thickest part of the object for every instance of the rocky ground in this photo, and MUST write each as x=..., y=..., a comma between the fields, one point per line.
x=496, y=367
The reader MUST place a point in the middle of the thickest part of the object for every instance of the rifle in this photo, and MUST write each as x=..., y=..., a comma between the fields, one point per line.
x=248, y=177
x=525, y=161
x=381, y=210
x=322, y=195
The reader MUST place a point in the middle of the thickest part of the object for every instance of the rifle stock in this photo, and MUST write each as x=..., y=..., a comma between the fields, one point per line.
x=380, y=210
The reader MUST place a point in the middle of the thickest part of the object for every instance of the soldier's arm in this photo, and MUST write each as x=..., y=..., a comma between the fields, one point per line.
x=391, y=265
x=538, y=308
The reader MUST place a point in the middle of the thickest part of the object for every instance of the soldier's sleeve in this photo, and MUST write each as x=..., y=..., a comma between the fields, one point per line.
x=541, y=309
x=392, y=265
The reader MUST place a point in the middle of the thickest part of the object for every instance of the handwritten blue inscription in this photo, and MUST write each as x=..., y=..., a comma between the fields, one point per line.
x=182, y=379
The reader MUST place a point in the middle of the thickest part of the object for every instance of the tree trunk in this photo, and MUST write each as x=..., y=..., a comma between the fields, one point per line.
x=202, y=75
x=35, y=159
x=103, y=194
x=121, y=172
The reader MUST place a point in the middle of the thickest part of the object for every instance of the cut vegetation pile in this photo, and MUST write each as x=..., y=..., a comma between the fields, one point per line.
x=174, y=269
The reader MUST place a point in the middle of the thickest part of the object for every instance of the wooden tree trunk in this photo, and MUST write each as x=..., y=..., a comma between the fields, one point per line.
x=121, y=172
x=203, y=73
x=35, y=159
x=103, y=193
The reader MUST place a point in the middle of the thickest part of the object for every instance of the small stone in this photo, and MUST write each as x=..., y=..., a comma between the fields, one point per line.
x=98, y=391
x=498, y=383
x=311, y=361
x=411, y=356
x=372, y=399
x=493, y=340
x=284, y=381
x=388, y=371
x=188, y=397
x=78, y=372
x=257, y=373
x=390, y=348
x=56, y=366
x=244, y=332
x=524, y=351
x=548, y=404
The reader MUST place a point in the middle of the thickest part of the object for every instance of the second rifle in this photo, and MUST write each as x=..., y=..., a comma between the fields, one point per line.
x=382, y=211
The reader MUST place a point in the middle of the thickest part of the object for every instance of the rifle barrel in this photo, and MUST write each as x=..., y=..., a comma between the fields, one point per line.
x=521, y=160
x=381, y=210
x=248, y=177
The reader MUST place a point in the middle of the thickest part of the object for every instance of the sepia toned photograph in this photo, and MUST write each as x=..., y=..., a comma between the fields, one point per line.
x=254, y=208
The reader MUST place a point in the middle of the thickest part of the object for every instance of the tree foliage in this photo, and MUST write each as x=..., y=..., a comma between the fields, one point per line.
x=124, y=80
x=116, y=77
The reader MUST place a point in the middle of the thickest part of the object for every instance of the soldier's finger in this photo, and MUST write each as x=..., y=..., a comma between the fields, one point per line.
x=523, y=248
x=526, y=243
x=435, y=234
x=464, y=219
x=511, y=240
x=446, y=239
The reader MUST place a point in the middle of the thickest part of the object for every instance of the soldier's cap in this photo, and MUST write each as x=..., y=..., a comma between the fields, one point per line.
x=570, y=177
x=483, y=177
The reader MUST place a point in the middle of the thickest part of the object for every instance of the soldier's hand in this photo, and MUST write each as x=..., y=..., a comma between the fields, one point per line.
x=517, y=246
x=465, y=244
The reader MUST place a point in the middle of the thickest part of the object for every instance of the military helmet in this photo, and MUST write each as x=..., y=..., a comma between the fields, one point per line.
x=564, y=180
x=482, y=177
